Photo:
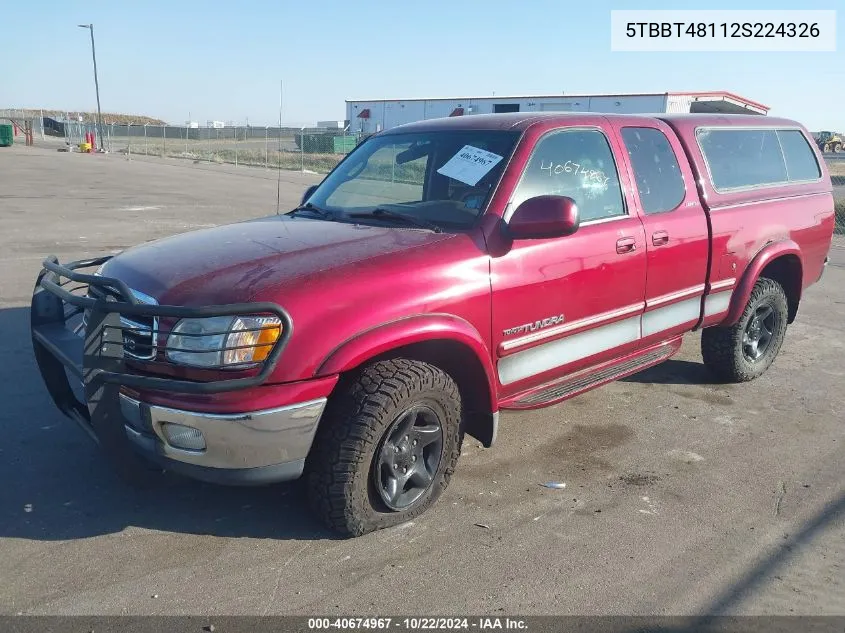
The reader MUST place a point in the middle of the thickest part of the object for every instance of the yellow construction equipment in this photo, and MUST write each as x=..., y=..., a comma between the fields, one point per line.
x=830, y=141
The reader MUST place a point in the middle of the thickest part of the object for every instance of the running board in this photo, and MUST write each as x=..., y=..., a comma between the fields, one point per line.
x=574, y=384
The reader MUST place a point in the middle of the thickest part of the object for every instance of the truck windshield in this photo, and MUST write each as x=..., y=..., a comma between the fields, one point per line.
x=444, y=179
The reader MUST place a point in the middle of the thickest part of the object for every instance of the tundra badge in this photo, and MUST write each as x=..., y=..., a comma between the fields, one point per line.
x=537, y=325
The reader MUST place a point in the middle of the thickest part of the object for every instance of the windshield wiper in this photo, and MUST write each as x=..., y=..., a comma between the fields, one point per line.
x=395, y=215
x=326, y=215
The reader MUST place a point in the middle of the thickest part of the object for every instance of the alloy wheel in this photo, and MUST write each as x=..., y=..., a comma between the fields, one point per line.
x=408, y=458
x=759, y=333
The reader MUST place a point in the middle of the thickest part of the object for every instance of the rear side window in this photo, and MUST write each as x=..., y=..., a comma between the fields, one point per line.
x=656, y=170
x=801, y=162
x=578, y=164
x=742, y=158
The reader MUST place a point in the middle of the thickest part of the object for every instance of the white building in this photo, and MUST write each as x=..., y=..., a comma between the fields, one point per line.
x=374, y=115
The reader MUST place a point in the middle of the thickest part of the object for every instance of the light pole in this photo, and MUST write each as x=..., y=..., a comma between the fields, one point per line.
x=90, y=27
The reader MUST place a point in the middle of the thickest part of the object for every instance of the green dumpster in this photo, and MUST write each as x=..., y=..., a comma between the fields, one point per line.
x=7, y=135
x=344, y=144
x=315, y=143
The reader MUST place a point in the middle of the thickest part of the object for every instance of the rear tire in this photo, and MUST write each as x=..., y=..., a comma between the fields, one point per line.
x=379, y=459
x=744, y=351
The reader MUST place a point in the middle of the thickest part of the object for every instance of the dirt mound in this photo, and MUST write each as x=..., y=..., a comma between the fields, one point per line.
x=108, y=117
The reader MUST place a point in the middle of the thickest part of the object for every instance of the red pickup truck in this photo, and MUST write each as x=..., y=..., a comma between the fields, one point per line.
x=444, y=271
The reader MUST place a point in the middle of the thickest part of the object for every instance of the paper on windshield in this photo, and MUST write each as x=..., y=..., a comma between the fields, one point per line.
x=469, y=165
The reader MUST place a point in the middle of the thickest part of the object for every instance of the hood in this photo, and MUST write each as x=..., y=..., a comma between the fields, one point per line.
x=250, y=261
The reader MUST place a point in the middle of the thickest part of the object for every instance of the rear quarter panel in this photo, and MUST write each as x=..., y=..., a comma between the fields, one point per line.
x=744, y=222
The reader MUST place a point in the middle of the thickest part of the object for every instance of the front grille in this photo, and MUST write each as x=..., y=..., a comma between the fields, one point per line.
x=139, y=332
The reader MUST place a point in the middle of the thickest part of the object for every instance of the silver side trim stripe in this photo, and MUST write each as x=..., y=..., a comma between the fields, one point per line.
x=566, y=350
x=721, y=284
x=692, y=291
x=675, y=296
x=671, y=316
x=717, y=303
x=569, y=327
x=563, y=351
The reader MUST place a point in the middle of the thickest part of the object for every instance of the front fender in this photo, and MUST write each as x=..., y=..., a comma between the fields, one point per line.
x=769, y=253
x=409, y=331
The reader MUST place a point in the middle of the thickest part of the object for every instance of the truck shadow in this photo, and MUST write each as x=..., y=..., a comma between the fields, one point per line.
x=675, y=372
x=57, y=485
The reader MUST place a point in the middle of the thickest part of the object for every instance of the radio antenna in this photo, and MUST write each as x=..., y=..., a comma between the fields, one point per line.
x=279, y=153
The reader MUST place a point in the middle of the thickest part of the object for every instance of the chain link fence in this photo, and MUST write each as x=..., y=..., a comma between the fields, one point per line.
x=18, y=118
x=304, y=149
x=837, y=178
x=315, y=150
x=295, y=148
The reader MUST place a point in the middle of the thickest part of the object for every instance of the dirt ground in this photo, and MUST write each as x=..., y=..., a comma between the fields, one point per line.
x=682, y=496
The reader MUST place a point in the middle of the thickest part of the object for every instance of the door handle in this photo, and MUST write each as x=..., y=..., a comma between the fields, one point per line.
x=626, y=245
x=659, y=238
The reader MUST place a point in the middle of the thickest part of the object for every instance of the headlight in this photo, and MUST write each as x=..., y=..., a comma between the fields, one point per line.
x=223, y=341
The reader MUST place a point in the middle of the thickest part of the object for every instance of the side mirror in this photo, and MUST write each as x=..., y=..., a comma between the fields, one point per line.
x=544, y=217
x=307, y=194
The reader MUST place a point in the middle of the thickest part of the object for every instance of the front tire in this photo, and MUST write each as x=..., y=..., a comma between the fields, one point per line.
x=744, y=351
x=386, y=448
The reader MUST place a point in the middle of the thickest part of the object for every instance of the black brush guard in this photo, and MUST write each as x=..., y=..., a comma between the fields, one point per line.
x=95, y=355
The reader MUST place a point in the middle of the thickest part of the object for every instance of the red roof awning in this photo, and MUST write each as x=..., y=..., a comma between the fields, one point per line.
x=364, y=114
x=457, y=112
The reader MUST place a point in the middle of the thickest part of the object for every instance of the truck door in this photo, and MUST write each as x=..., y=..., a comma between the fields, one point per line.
x=677, y=240
x=564, y=304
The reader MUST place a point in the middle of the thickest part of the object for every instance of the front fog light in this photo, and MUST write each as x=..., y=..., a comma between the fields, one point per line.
x=184, y=437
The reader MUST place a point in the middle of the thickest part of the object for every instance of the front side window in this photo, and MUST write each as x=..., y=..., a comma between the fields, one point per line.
x=578, y=164
x=444, y=178
x=383, y=181
x=660, y=182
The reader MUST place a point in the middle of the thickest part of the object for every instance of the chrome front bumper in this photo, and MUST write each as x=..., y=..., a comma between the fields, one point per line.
x=245, y=448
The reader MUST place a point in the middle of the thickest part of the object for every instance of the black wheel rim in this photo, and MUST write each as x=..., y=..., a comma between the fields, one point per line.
x=759, y=333
x=408, y=458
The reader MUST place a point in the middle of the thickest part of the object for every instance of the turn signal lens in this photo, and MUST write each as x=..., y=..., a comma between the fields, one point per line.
x=251, y=339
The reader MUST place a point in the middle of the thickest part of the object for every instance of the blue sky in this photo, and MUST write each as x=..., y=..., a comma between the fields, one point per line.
x=224, y=60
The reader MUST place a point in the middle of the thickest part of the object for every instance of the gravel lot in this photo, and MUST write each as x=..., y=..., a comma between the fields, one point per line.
x=682, y=497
